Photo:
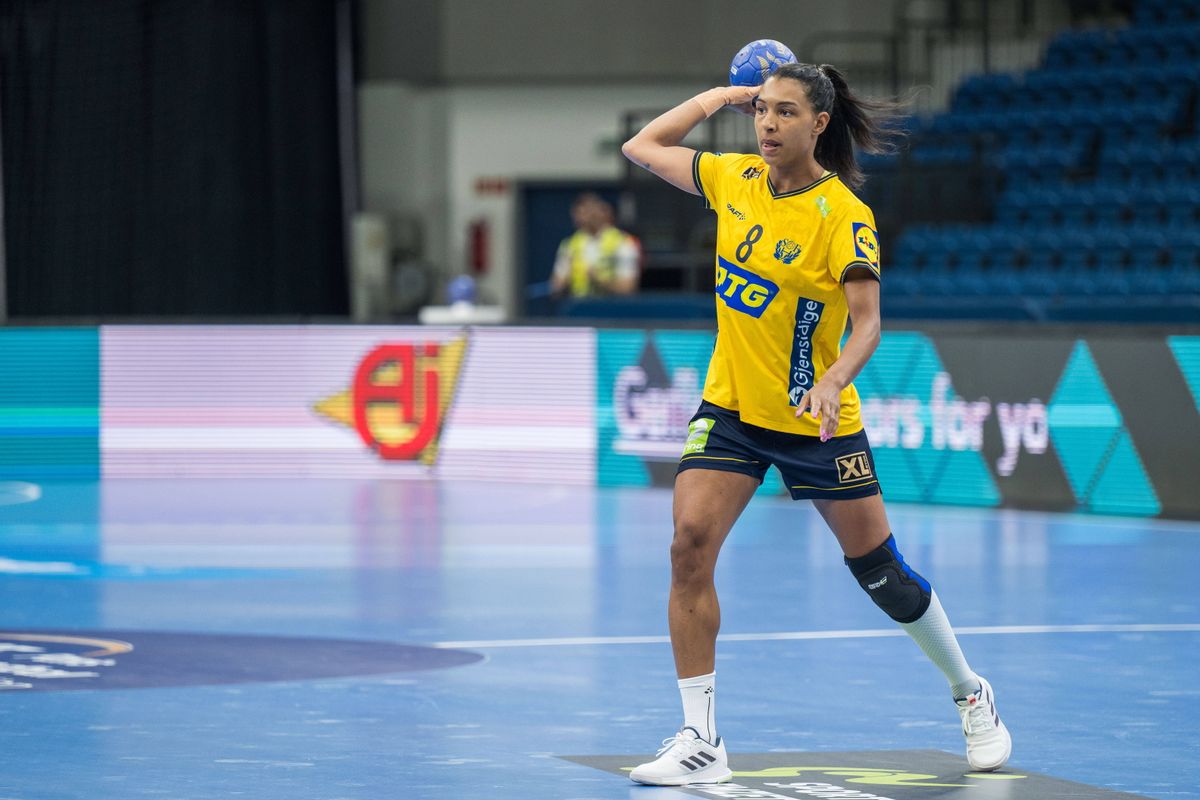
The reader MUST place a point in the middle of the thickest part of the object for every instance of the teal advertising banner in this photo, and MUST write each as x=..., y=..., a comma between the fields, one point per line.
x=1038, y=420
x=49, y=403
x=1186, y=350
x=648, y=386
x=927, y=440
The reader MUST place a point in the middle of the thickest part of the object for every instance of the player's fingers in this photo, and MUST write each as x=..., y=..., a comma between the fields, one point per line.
x=741, y=98
x=742, y=94
x=830, y=425
x=802, y=405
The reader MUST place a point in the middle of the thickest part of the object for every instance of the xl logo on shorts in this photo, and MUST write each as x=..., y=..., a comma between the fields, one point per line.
x=742, y=290
x=853, y=467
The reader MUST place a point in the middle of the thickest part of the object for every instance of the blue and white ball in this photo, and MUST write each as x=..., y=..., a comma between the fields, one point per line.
x=755, y=62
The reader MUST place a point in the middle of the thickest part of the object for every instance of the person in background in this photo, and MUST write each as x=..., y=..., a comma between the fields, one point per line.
x=599, y=259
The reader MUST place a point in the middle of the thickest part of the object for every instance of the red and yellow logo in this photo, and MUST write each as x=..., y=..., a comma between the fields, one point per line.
x=399, y=398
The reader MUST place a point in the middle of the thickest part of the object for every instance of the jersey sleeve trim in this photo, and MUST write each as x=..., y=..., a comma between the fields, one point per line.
x=696, y=178
x=860, y=265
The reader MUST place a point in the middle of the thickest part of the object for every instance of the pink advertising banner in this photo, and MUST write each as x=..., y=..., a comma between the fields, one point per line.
x=510, y=404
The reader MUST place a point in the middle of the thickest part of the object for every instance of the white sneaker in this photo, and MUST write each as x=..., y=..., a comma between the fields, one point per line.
x=685, y=758
x=988, y=742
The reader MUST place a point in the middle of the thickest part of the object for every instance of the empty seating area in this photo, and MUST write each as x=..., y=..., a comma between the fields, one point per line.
x=1096, y=208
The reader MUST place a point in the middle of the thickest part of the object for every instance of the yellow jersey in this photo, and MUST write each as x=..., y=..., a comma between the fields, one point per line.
x=781, y=311
x=608, y=255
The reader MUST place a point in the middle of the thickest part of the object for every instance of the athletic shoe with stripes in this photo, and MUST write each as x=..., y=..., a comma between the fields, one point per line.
x=685, y=758
x=988, y=742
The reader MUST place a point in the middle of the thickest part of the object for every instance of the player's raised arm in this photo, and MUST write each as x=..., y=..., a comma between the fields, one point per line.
x=656, y=147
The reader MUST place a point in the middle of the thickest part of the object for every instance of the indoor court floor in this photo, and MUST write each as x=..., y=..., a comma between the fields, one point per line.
x=375, y=639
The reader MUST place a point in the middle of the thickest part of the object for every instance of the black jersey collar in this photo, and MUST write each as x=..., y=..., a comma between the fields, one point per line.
x=813, y=185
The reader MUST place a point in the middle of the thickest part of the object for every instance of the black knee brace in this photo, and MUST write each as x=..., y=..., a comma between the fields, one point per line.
x=901, y=593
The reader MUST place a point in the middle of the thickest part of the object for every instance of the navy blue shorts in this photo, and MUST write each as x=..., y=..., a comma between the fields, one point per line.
x=839, y=469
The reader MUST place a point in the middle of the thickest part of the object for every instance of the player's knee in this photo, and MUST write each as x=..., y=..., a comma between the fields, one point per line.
x=893, y=585
x=691, y=551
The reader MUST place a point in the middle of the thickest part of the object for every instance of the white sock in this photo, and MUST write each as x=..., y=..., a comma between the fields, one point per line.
x=699, y=696
x=935, y=636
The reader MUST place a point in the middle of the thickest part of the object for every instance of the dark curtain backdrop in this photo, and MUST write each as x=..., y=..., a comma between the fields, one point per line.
x=171, y=157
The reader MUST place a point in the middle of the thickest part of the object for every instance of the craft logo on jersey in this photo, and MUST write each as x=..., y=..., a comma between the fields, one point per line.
x=853, y=467
x=786, y=250
x=399, y=397
x=866, y=243
x=752, y=172
x=742, y=290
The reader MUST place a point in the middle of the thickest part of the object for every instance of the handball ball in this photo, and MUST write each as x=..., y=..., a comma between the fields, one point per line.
x=756, y=61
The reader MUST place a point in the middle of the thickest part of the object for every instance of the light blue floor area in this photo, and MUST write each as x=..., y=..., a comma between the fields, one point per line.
x=563, y=591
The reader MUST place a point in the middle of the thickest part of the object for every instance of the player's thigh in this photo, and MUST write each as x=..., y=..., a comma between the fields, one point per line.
x=860, y=524
x=706, y=504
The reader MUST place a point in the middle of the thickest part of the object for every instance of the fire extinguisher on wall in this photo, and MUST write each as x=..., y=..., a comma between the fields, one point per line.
x=479, y=245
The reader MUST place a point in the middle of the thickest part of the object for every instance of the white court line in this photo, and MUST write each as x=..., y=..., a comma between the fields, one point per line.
x=881, y=633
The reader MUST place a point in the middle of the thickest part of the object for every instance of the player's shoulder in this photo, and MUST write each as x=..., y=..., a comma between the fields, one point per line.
x=735, y=164
x=842, y=202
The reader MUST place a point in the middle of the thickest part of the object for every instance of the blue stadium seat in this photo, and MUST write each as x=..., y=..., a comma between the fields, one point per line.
x=1100, y=194
x=1182, y=204
x=1148, y=245
x=1149, y=281
x=937, y=282
x=1184, y=279
x=902, y=283
x=987, y=91
x=1038, y=282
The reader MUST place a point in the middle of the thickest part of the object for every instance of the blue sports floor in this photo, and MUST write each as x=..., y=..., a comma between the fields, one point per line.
x=371, y=640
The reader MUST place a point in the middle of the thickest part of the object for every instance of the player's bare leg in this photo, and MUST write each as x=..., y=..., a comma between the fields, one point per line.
x=860, y=525
x=707, y=503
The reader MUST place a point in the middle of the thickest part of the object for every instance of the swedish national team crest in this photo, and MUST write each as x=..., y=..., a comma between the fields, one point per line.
x=866, y=243
x=786, y=250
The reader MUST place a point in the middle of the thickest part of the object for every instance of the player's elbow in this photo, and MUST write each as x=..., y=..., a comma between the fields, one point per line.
x=868, y=329
x=866, y=325
x=636, y=150
x=629, y=148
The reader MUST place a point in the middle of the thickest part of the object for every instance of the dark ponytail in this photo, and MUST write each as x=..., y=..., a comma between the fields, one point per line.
x=852, y=120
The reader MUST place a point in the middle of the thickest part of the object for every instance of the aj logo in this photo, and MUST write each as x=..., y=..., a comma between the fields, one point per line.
x=751, y=173
x=399, y=397
x=853, y=467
